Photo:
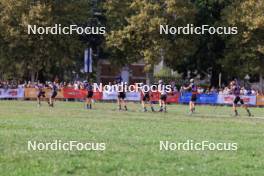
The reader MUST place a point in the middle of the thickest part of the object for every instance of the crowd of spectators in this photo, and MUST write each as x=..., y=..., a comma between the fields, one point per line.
x=28, y=84
x=10, y=84
x=226, y=91
x=80, y=85
x=223, y=91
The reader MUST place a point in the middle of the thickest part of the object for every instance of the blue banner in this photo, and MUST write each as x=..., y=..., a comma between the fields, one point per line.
x=201, y=98
x=207, y=98
x=185, y=97
x=88, y=60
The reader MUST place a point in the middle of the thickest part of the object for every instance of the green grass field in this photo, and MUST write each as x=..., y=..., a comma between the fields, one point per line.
x=132, y=140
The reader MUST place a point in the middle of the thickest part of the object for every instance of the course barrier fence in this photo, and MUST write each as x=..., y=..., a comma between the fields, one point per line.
x=201, y=98
x=12, y=93
x=32, y=93
x=70, y=93
x=260, y=100
x=228, y=99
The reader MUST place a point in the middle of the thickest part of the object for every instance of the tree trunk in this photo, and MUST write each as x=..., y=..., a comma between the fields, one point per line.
x=37, y=76
x=98, y=72
x=32, y=76
x=261, y=74
x=150, y=76
x=261, y=81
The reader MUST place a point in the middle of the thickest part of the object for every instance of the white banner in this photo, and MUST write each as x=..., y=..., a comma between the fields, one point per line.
x=12, y=93
x=109, y=95
x=133, y=96
x=130, y=96
x=229, y=99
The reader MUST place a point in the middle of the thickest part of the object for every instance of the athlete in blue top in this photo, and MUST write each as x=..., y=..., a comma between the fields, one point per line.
x=235, y=88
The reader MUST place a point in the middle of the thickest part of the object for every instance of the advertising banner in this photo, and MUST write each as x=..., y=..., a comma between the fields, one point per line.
x=201, y=98
x=207, y=98
x=228, y=99
x=185, y=97
x=74, y=94
x=109, y=95
x=33, y=93
x=130, y=96
x=12, y=93
x=133, y=96
x=155, y=96
x=97, y=95
x=260, y=100
x=78, y=94
x=60, y=94
x=171, y=98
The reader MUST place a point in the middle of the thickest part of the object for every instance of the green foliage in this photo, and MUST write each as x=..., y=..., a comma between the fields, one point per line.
x=245, y=51
x=47, y=54
x=133, y=35
x=166, y=74
x=139, y=36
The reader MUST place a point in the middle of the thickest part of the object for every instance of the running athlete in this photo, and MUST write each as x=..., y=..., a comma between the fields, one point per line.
x=163, y=97
x=89, y=97
x=54, y=92
x=121, y=99
x=146, y=100
x=235, y=88
x=193, y=88
x=41, y=93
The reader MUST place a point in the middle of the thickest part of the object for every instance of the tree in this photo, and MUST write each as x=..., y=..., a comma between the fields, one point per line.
x=137, y=36
x=45, y=55
x=245, y=52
